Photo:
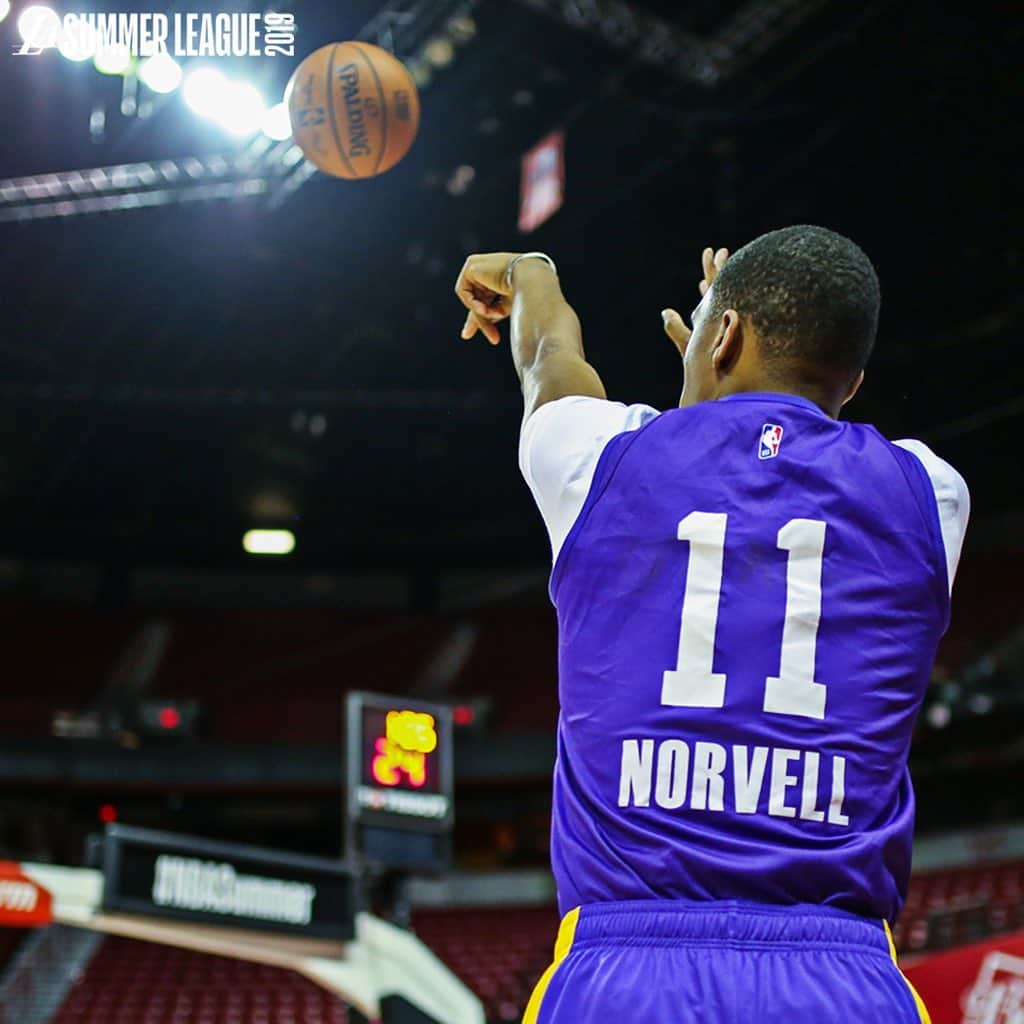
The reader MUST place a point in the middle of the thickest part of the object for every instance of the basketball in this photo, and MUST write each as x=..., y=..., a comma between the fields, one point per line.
x=354, y=109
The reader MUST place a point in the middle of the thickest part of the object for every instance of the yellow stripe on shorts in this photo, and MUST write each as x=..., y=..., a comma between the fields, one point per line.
x=918, y=1001
x=566, y=932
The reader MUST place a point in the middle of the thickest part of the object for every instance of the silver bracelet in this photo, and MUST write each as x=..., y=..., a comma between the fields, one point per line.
x=529, y=256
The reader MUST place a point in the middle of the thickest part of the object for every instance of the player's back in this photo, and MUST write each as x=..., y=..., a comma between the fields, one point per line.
x=749, y=605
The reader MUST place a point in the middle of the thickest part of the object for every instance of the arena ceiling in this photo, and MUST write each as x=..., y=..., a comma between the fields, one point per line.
x=171, y=376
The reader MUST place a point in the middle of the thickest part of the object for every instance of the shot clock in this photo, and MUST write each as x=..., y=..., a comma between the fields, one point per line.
x=398, y=781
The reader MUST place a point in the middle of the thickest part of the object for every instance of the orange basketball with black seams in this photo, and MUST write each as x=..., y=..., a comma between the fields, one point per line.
x=354, y=109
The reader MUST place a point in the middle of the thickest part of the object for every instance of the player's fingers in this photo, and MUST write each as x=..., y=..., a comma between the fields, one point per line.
x=471, y=293
x=490, y=332
x=708, y=265
x=676, y=329
x=492, y=311
x=487, y=304
x=486, y=327
x=468, y=295
x=720, y=257
x=470, y=327
x=463, y=283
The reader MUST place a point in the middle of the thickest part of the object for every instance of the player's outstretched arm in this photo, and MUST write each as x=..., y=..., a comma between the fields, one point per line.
x=547, y=341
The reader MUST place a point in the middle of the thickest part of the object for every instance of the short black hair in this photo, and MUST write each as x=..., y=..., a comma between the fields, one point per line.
x=811, y=293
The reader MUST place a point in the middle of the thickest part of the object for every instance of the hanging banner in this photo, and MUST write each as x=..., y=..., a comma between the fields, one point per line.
x=978, y=984
x=23, y=903
x=542, y=191
x=160, y=874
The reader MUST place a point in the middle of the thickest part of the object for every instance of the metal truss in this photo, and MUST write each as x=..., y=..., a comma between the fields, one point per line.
x=755, y=28
x=403, y=26
x=273, y=171
x=652, y=39
x=751, y=31
x=262, y=168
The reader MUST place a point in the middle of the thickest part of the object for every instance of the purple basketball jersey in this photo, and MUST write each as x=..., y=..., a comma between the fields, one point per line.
x=749, y=606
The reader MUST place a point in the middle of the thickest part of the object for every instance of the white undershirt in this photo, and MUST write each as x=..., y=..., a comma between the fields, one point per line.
x=561, y=443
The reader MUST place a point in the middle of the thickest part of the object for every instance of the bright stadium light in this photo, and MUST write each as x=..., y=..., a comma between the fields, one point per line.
x=243, y=109
x=5, y=8
x=440, y=52
x=113, y=60
x=161, y=73
x=461, y=28
x=39, y=27
x=277, y=125
x=235, y=106
x=269, y=542
x=421, y=72
x=204, y=90
x=78, y=44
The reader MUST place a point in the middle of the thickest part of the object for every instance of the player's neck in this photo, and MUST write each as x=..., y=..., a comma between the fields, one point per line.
x=824, y=398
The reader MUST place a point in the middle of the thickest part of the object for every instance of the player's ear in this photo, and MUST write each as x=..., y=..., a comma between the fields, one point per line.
x=729, y=343
x=854, y=387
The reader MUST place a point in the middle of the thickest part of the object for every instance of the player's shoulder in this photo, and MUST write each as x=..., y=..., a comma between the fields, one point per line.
x=586, y=416
x=952, y=499
x=947, y=482
x=567, y=436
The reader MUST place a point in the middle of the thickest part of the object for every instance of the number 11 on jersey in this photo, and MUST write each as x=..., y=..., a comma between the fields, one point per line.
x=693, y=683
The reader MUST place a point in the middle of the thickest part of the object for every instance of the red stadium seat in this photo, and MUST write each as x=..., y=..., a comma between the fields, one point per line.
x=498, y=952
x=237, y=663
x=130, y=982
x=952, y=906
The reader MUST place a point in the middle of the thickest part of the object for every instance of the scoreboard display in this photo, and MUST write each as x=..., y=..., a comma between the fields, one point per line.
x=399, y=777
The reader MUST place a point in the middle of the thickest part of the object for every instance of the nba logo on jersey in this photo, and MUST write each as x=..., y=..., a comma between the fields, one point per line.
x=771, y=439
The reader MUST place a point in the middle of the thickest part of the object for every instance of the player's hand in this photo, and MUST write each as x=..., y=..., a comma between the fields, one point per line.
x=484, y=290
x=675, y=327
x=712, y=263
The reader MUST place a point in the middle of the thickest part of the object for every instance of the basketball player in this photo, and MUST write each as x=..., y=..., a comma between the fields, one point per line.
x=750, y=593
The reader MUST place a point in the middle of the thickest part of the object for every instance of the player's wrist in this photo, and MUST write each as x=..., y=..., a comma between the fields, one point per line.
x=528, y=264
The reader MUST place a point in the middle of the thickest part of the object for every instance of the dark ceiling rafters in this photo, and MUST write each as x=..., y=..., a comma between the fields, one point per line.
x=750, y=32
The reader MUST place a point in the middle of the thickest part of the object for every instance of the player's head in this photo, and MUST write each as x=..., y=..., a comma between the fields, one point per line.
x=794, y=310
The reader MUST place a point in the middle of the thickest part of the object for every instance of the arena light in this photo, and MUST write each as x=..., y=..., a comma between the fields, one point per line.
x=169, y=717
x=277, y=124
x=981, y=703
x=5, y=8
x=421, y=72
x=39, y=27
x=115, y=59
x=243, y=109
x=79, y=44
x=440, y=52
x=204, y=90
x=463, y=714
x=269, y=542
x=161, y=73
x=461, y=28
x=236, y=106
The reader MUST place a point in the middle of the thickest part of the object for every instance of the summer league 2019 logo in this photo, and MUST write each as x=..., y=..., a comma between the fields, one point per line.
x=152, y=34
